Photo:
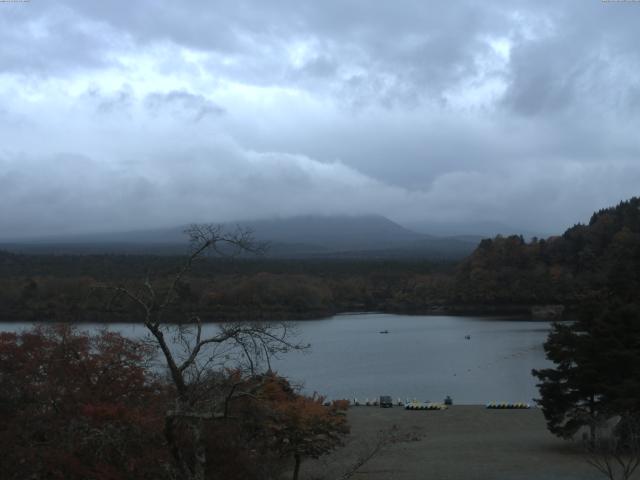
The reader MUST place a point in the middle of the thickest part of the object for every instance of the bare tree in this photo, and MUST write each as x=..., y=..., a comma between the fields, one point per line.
x=383, y=440
x=367, y=450
x=615, y=449
x=193, y=356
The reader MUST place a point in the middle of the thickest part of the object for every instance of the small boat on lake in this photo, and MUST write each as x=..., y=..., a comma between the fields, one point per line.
x=384, y=331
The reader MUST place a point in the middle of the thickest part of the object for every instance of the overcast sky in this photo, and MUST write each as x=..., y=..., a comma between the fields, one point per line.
x=119, y=114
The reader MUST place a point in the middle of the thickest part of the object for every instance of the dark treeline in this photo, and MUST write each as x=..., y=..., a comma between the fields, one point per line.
x=503, y=275
x=117, y=266
x=38, y=287
x=587, y=261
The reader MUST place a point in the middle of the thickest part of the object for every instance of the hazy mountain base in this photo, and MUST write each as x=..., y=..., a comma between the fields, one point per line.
x=367, y=237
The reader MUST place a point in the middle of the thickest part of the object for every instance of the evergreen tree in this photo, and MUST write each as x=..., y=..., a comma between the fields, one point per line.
x=571, y=393
x=597, y=372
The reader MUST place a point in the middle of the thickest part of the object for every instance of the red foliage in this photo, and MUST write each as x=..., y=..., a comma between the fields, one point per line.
x=74, y=406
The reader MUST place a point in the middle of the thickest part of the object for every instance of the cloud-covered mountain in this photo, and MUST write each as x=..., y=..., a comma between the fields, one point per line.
x=301, y=236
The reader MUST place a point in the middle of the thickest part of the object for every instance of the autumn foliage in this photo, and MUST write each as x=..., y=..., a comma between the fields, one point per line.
x=268, y=425
x=75, y=406
x=301, y=426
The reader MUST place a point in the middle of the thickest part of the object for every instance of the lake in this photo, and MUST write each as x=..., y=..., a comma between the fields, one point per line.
x=421, y=357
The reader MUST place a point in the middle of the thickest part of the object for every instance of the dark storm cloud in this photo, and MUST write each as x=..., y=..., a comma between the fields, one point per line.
x=132, y=113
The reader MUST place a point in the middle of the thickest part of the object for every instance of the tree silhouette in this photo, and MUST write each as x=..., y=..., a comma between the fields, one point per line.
x=597, y=373
x=192, y=354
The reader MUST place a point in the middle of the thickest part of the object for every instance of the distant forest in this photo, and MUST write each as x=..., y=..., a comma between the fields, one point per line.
x=503, y=275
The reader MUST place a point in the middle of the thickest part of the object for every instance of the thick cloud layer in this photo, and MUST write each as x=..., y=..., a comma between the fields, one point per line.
x=118, y=115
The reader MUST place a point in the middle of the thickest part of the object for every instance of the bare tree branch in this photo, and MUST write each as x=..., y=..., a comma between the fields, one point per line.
x=384, y=439
x=195, y=385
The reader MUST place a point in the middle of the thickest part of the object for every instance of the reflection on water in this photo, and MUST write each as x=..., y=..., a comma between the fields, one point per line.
x=423, y=357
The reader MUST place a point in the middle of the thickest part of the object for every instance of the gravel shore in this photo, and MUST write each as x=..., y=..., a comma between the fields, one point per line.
x=461, y=443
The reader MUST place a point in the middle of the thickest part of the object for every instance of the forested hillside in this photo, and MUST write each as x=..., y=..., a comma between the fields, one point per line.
x=600, y=258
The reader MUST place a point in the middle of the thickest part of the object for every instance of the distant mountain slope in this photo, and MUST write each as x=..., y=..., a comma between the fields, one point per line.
x=335, y=232
x=357, y=236
x=318, y=232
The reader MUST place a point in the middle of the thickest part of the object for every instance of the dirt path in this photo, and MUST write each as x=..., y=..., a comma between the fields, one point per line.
x=462, y=443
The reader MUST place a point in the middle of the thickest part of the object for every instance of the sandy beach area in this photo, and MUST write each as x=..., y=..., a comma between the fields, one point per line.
x=461, y=443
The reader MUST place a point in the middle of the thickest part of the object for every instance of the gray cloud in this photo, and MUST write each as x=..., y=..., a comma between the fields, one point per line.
x=117, y=102
x=180, y=102
x=48, y=41
x=583, y=61
x=513, y=111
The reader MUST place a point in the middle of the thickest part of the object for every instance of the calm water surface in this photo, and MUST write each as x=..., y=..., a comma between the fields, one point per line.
x=422, y=357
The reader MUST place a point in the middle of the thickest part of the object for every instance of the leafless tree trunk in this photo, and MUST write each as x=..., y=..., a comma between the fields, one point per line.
x=253, y=342
x=296, y=468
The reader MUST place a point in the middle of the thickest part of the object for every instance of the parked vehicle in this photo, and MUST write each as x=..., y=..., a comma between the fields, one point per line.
x=386, y=401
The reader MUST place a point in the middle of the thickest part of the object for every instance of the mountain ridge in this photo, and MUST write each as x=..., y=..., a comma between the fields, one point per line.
x=313, y=235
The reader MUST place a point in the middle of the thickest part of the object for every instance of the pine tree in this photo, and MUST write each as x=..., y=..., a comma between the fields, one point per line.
x=597, y=372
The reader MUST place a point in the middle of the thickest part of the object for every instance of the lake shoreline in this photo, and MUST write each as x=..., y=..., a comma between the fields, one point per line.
x=513, y=312
x=473, y=359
